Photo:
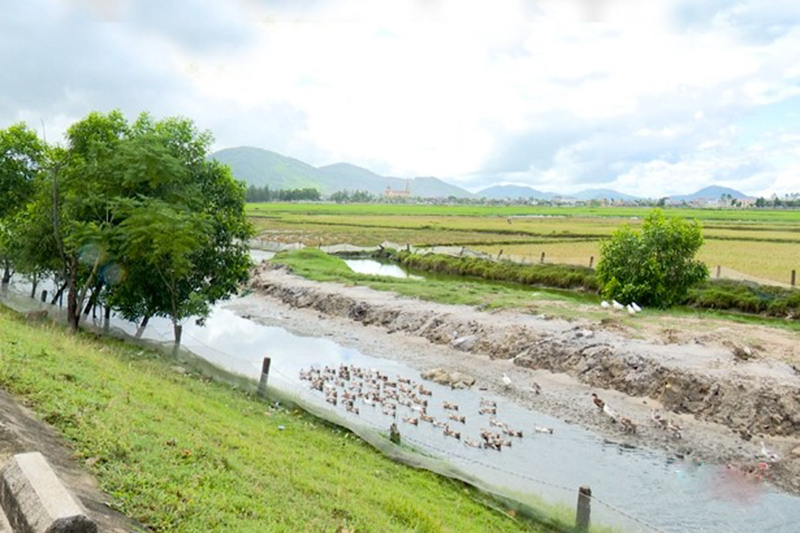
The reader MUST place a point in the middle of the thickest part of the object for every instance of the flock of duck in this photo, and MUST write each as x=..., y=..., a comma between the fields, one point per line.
x=354, y=388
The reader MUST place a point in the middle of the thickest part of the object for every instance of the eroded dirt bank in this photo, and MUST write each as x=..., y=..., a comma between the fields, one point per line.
x=725, y=405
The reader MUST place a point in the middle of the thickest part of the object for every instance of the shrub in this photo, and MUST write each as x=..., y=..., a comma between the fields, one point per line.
x=654, y=267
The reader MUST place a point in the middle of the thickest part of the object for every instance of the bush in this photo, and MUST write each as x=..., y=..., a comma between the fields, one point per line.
x=654, y=267
x=746, y=297
x=555, y=276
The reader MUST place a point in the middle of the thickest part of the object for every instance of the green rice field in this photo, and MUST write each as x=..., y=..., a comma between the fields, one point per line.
x=762, y=245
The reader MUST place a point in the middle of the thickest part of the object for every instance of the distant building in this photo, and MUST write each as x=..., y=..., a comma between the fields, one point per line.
x=398, y=194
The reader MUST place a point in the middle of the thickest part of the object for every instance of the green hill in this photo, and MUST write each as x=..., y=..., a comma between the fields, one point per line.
x=261, y=167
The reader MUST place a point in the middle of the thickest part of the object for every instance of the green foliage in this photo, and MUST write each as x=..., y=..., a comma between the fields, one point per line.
x=746, y=297
x=555, y=276
x=654, y=267
x=134, y=214
x=22, y=156
x=264, y=194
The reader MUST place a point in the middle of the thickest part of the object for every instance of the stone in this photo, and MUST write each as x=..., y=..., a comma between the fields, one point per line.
x=36, y=316
x=35, y=500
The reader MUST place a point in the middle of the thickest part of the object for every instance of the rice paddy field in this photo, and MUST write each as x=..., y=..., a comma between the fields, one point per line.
x=760, y=245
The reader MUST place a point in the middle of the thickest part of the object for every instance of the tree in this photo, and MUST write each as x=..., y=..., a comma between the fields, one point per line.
x=653, y=267
x=22, y=157
x=182, y=239
x=140, y=219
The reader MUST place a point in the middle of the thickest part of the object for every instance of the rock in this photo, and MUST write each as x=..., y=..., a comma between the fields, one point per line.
x=36, y=316
x=795, y=451
x=35, y=499
x=456, y=380
x=741, y=352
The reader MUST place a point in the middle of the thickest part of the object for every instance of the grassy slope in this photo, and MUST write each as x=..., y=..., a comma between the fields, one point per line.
x=318, y=266
x=181, y=453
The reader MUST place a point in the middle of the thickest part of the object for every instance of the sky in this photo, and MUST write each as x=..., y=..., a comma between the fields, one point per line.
x=648, y=97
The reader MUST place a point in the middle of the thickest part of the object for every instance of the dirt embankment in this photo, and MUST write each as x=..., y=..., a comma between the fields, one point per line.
x=729, y=387
x=757, y=396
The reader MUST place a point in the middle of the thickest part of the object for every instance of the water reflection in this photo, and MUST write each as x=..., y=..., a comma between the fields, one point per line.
x=376, y=268
x=675, y=494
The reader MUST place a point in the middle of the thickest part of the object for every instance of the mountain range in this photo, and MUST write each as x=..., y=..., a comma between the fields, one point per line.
x=259, y=168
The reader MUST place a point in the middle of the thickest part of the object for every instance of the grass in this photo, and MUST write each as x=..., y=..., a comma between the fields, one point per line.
x=319, y=266
x=506, y=288
x=553, y=276
x=181, y=453
x=747, y=215
x=754, y=244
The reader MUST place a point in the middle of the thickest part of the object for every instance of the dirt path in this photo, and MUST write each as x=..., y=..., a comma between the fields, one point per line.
x=21, y=432
x=725, y=405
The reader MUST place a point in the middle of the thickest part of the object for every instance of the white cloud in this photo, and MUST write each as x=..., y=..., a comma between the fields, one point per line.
x=555, y=94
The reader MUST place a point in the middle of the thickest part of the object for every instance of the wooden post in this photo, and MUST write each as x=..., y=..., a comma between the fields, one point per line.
x=542, y=259
x=500, y=253
x=794, y=277
x=591, y=261
x=719, y=271
x=44, y=295
x=394, y=434
x=582, y=517
x=408, y=247
x=262, y=383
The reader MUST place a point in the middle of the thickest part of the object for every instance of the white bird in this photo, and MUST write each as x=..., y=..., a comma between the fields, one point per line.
x=604, y=304
x=617, y=305
x=631, y=310
x=635, y=307
x=767, y=453
x=610, y=412
x=506, y=380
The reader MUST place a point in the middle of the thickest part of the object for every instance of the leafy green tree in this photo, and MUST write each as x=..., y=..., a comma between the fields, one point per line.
x=182, y=244
x=119, y=190
x=653, y=267
x=22, y=158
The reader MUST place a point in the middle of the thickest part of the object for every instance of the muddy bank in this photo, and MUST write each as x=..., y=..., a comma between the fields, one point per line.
x=726, y=405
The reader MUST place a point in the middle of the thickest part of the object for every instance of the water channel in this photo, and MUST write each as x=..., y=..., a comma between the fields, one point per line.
x=668, y=493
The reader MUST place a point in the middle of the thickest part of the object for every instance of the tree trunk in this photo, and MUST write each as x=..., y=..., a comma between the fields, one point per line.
x=73, y=307
x=107, y=317
x=178, y=329
x=93, y=298
x=6, y=272
x=57, y=294
x=34, y=284
x=140, y=329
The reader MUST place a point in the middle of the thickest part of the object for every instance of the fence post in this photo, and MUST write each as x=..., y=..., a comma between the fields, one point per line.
x=542, y=259
x=591, y=261
x=44, y=295
x=584, y=511
x=500, y=253
x=394, y=434
x=719, y=271
x=262, y=383
x=794, y=277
